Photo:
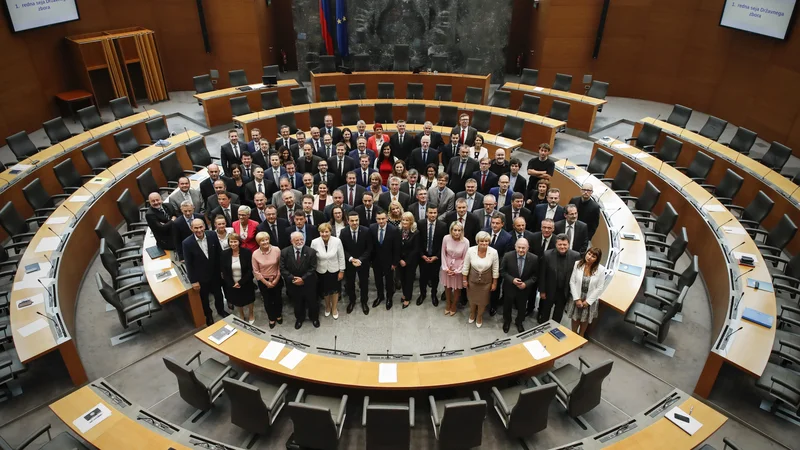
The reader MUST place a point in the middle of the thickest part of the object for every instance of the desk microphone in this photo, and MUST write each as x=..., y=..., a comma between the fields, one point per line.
x=736, y=303
x=612, y=214
x=660, y=166
x=732, y=333
x=736, y=160
x=56, y=235
x=690, y=182
x=620, y=229
x=734, y=248
x=59, y=330
x=587, y=179
x=441, y=353
x=704, y=203
x=187, y=133
x=790, y=195
x=601, y=195
x=622, y=249
x=717, y=229
x=765, y=175
x=46, y=289
x=743, y=274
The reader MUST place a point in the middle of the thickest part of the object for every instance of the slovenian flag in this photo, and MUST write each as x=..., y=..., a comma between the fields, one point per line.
x=324, y=13
x=341, y=28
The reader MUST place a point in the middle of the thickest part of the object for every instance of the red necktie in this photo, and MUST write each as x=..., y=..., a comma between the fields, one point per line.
x=463, y=135
x=483, y=180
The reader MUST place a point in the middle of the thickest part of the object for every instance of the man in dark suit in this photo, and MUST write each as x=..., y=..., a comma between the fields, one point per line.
x=549, y=210
x=450, y=150
x=517, y=183
x=516, y=209
x=419, y=208
x=361, y=132
x=330, y=179
x=259, y=212
x=202, y=252
x=555, y=270
x=520, y=230
x=435, y=137
x=295, y=148
x=588, y=209
x=182, y=226
x=309, y=232
x=460, y=170
x=466, y=133
x=520, y=269
x=486, y=178
x=275, y=170
x=338, y=200
x=212, y=202
x=541, y=242
x=367, y=210
x=576, y=231
x=261, y=157
x=274, y=226
x=207, y=185
x=299, y=272
x=402, y=142
x=500, y=165
x=259, y=184
x=309, y=162
x=328, y=149
x=364, y=171
x=385, y=257
x=246, y=169
x=295, y=179
x=431, y=233
x=231, y=152
x=357, y=245
x=465, y=218
x=361, y=150
x=502, y=192
x=411, y=184
x=502, y=241
x=424, y=155
x=286, y=140
x=315, y=140
x=353, y=193
x=227, y=209
x=255, y=141
x=342, y=163
x=159, y=218
x=331, y=130
x=393, y=194
x=471, y=195
x=314, y=218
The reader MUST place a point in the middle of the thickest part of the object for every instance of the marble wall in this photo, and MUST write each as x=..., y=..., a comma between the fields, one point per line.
x=460, y=29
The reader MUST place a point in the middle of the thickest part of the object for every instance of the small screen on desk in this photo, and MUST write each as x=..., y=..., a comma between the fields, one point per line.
x=29, y=14
x=766, y=17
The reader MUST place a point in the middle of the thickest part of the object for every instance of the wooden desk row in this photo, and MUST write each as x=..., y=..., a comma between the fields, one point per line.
x=217, y=104
x=73, y=223
x=757, y=177
x=42, y=163
x=582, y=109
x=459, y=81
x=714, y=233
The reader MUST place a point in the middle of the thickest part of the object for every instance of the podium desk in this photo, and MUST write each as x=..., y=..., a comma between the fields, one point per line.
x=217, y=103
x=582, y=108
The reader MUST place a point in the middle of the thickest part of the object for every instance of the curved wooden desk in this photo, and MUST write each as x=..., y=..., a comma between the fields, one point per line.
x=78, y=243
x=582, y=109
x=42, y=163
x=782, y=191
x=750, y=348
x=217, y=104
x=459, y=81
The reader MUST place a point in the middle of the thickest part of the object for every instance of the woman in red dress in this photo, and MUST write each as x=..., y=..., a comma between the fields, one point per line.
x=384, y=163
x=375, y=142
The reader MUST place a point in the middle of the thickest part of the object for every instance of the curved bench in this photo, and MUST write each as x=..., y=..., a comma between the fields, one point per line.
x=582, y=108
x=217, y=103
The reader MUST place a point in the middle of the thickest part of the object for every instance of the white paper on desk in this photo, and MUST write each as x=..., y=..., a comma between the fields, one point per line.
x=272, y=350
x=538, y=89
x=44, y=269
x=690, y=428
x=34, y=300
x=621, y=145
x=31, y=283
x=734, y=230
x=164, y=276
x=159, y=264
x=387, y=373
x=48, y=244
x=536, y=349
x=33, y=327
x=20, y=167
x=291, y=360
x=714, y=208
x=79, y=198
x=57, y=220
x=92, y=417
x=642, y=155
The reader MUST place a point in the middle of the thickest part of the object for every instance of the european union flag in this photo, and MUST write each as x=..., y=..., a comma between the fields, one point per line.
x=341, y=28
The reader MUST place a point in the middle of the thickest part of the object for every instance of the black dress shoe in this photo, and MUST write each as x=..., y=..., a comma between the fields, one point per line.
x=388, y=304
x=492, y=311
x=272, y=325
x=280, y=320
x=350, y=307
x=224, y=314
x=435, y=299
x=405, y=305
x=365, y=308
x=520, y=328
x=315, y=323
x=209, y=321
x=298, y=324
x=377, y=302
x=506, y=327
x=420, y=299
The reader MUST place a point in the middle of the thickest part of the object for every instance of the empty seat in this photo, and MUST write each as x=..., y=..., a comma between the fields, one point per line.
x=439, y=63
x=147, y=184
x=776, y=240
x=318, y=421
x=89, y=118
x=157, y=129
x=201, y=386
x=239, y=106
x=172, y=170
x=199, y=155
x=127, y=143
x=271, y=71
x=350, y=114
x=448, y=116
x=96, y=157
x=473, y=66
x=513, y=128
x=753, y=214
x=579, y=388
x=653, y=321
x=287, y=119
x=679, y=116
x=713, y=128
x=415, y=91
x=128, y=243
x=501, y=99
x=458, y=422
x=17, y=228
x=623, y=180
x=383, y=113
x=63, y=440
x=57, y=130
x=780, y=385
x=402, y=58
x=727, y=188
x=699, y=168
x=473, y=95
x=658, y=259
x=130, y=211
x=237, y=77
x=529, y=77
x=385, y=90
x=599, y=164
x=742, y=141
x=669, y=150
x=357, y=91
x=559, y=111
x=563, y=82
x=481, y=119
x=316, y=117
x=598, y=89
x=415, y=114
x=388, y=425
x=361, y=63
x=530, y=104
x=776, y=157
x=202, y=84
x=327, y=93
x=68, y=177
x=327, y=64
x=300, y=96
x=270, y=100
x=256, y=406
x=443, y=93
x=121, y=108
x=645, y=202
x=523, y=409
x=133, y=302
x=661, y=226
x=42, y=203
x=647, y=137
x=22, y=146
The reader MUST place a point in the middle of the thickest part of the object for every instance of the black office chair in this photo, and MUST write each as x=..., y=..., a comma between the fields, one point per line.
x=327, y=93
x=121, y=108
x=786, y=280
x=679, y=116
x=122, y=275
x=563, y=82
x=415, y=114
x=501, y=99
x=742, y=141
x=270, y=100
x=300, y=96
x=201, y=386
x=128, y=243
x=271, y=71
x=559, y=111
x=89, y=118
x=172, y=170
x=385, y=90
x=654, y=321
x=128, y=144
x=713, y=128
x=645, y=202
x=530, y=104
x=623, y=180
x=62, y=441
x=351, y=115
x=318, y=421
x=415, y=91
x=529, y=77
x=327, y=64
x=448, y=116
x=513, y=128
x=780, y=385
x=357, y=91
x=443, y=93
x=753, y=214
x=458, y=422
x=237, y=77
x=599, y=90
x=388, y=425
x=775, y=240
x=361, y=63
x=130, y=211
x=239, y=106
x=383, y=113
x=473, y=66
x=647, y=137
x=203, y=84
x=96, y=157
x=147, y=184
x=481, y=120
x=599, y=164
x=776, y=157
x=254, y=407
x=473, y=95
x=658, y=259
x=699, y=168
x=312, y=62
x=316, y=117
x=287, y=119
x=439, y=63
x=199, y=155
x=68, y=176
x=528, y=410
x=669, y=150
x=57, y=130
x=661, y=226
x=727, y=188
x=42, y=203
x=22, y=146
x=402, y=58
x=579, y=390
x=16, y=227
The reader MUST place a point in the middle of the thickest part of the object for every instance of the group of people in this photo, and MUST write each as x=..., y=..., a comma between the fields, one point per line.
x=308, y=214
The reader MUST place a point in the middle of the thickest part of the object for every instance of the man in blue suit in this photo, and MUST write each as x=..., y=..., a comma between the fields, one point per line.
x=486, y=178
x=361, y=150
x=502, y=192
x=275, y=168
x=202, y=253
x=295, y=179
x=550, y=210
x=363, y=170
x=503, y=242
x=385, y=257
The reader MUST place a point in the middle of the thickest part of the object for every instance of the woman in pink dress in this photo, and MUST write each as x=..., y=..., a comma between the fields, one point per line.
x=454, y=251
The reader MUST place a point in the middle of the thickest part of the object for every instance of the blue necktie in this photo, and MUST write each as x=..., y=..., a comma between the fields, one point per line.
x=520, y=264
x=430, y=238
x=380, y=236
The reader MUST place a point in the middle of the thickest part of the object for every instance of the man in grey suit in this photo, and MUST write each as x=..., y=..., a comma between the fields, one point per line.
x=520, y=269
x=212, y=202
x=338, y=200
x=277, y=198
x=471, y=195
x=576, y=231
x=185, y=192
x=555, y=271
x=460, y=169
x=441, y=196
x=489, y=209
x=418, y=208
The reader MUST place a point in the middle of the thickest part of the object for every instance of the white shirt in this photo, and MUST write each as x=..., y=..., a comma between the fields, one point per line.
x=551, y=212
x=330, y=259
x=480, y=264
x=260, y=186
x=203, y=243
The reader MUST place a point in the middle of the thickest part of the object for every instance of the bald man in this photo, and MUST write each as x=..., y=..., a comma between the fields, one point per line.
x=159, y=218
x=202, y=253
x=520, y=269
x=588, y=209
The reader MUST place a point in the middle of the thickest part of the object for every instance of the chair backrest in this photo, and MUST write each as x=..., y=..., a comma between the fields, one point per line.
x=248, y=410
x=678, y=246
x=383, y=113
x=530, y=104
x=501, y=99
x=648, y=135
x=327, y=64
x=56, y=130
x=388, y=426
x=313, y=425
x=271, y=71
x=357, y=91
x=300, y=96
x=67, y=176
x=270, y=100
x=402, y=58
x=649, y=197
x=351, y=114
x=529, y=77
x=481, y=120
x=316, y=117
x=156, y=129
x=287, y=119
x=743, y=140
x=563, y=82
x=530, y=413
x=202, y=83
x=679, y=116
x=121, y=107
x=12, y=221
x=713, y=128
x=198, y=153
x=386, y=90
x=443, y=93
x=21, y=145
x=95, y=156
x=415, y=91
x=600, y=163
x=127, y=142
x=559, y=110
x=689, y=274
x=109, y=294
x=109, y=260
x=759, y=208
x=777, y=156
x=439, y=63
x=700, y=166
x=669, y=313
x=462, y=424
x=792, y=268
x=171, y=167
x=237, y=77
x=473, y=95
x=448, y=116
x=670, y=149
x=598, y=89
x=729, y=186
x=327, y=93
x=128, y=208
x=585, y=396
x=513, y=127
x=89, y=117
x=361, y=63
x=192, y=391
x=239, y=106
x=104, y=230
x=624, y=179
x=147, y=183
x=473, y=66
x=666, y=220
x=782, y=233
x=415, y=113
x=37, y=196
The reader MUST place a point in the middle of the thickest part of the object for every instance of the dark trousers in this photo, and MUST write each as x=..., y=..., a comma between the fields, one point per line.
x=556, y=304
x=272, y=300
x=214, y=288
x=350, y=281
x=514, y=299
x=429, y=276
x=304, y=298
x=407, y=275
x=532, y=299
x=384, y=280
x=495, y=300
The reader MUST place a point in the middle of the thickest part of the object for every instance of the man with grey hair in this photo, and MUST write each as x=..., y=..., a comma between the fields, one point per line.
x=435, y=136
x=202, y=252
x=410, y=186
x=485, y=215
x=315, y=140
x=424, y=155
x=284, y=184
x=159, y=218
x=361, y=132
x=441, y=196
x=299, y=273
x=393, y=195
x=182, y=226
x=519, y=269
x=183, y=193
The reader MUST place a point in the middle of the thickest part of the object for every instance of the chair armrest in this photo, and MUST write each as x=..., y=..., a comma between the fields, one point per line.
x=475, y=396
x=6, y=364
x=131, y=286
x=29, y=440
x=785, y=288
x=621, y=192
x=558, y=383
x=138, y=304
x=648, y=234
x=681, y=168
x=583, y=166
x=116, y=160
x=411, y=408
x=342, y=409
x=769, y=248
x=218, y=380
x=629, y=197
x=790, y=345
x=499, y=400
x=788, y=320
x=38, y=219
x=756, y=231
x=660, y=244
x=606, y=180
x=709, y=187
x=60, y=196
x=364, y=411
x=133, y=233
x=11, y=263
x=194, y=166
x=751, y=223
x=631, y=139
x=583, y=363
x=434, y=412
x=44, y=211
x=196, y=356
x=793, y=280
x=16, y=245
x=667, y=271
x=735, y=208
x=725, y=201
x=647, y=317
x=776, y=259
x=301, y=394
x=129, y=258
x=784, y=385
x=669, y=263
x=642, y=214
x=128, y=276
x=646, y=219
x=278, y=397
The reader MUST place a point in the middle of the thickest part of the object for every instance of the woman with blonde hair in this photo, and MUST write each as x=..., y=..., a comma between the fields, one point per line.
x=480, y=273
x=395, y=214
x=266, y=269
x=375, y=185
x=454, y=251
x=409, y=255
x=237, y=277
x=586, y=284
x=330, y=267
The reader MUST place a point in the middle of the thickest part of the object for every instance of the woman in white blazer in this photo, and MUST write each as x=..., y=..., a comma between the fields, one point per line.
x=330, y=267
x=586, y=284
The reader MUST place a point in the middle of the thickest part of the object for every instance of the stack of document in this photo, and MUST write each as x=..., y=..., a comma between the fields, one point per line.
x=292, y=359
x=537, y=350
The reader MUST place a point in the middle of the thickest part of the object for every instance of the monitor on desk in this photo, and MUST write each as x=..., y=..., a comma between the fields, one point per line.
x=771, y=18
x=269, y=80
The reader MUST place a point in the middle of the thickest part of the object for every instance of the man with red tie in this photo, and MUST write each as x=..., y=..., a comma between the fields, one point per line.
x=466, y=133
